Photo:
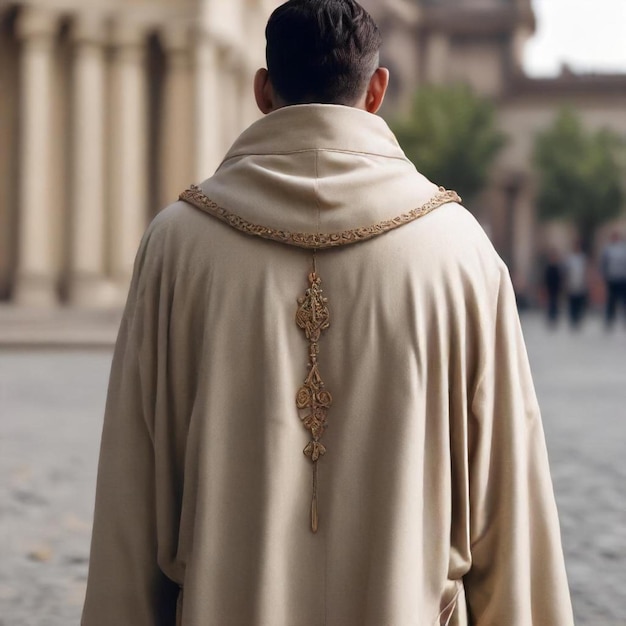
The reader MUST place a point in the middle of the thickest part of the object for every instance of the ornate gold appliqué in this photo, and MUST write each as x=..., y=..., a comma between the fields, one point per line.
x=313, y=317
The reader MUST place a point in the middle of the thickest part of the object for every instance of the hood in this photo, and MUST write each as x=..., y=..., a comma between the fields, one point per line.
x=318, y=168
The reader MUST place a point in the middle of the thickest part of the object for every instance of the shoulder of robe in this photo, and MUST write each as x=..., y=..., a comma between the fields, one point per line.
x=155, y=242
x=463, y=240
x=172, y=226
x=176, y=215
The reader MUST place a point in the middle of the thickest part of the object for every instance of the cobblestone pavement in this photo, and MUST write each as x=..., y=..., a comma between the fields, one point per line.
x=581, y=384
x=50, y=417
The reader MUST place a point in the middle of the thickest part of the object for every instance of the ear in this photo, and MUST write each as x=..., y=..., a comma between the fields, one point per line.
x=264, y=92
x=376, y=90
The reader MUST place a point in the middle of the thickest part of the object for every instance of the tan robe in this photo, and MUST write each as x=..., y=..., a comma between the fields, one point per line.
x=434, y=495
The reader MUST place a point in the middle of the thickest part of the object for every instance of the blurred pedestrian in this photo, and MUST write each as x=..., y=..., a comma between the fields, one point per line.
x=575, y=268
x=553, y=282
x=613, y=265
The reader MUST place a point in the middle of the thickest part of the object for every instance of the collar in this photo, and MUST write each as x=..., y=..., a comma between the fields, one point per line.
x=307, y=127
x=317, y=168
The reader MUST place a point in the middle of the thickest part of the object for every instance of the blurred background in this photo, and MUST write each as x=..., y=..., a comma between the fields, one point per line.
x=110, y=108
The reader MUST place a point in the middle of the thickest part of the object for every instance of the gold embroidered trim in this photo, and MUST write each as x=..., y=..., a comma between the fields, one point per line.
x=317, y=241
x=313, y=317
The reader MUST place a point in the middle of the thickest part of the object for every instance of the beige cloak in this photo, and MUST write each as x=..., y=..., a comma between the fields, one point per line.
x=434, y=496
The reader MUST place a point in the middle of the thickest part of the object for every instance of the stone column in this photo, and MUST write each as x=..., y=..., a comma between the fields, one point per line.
x=230, y=85
x=250, y=111
x=35, y=278
x=255, y=16
x=88, y=286
x=208, y=106
x=437, y=58
x=128, y=154
x=524, y=236
x=177, y=136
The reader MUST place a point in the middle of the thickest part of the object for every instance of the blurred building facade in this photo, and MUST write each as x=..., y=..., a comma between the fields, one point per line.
x=481, y=43
x=108, y=109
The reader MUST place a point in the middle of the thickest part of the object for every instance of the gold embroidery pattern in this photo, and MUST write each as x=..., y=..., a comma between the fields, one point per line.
x=313, y=317
x=316, y=241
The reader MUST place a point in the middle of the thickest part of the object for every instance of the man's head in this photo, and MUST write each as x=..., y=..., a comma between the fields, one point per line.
x=321, y=51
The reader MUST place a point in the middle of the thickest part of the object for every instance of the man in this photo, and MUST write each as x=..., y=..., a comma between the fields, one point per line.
x=576, y=281
x=613, y=264
x=320, y=409
x=553, y=281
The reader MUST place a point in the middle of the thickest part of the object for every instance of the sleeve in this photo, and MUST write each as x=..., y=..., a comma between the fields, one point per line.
x=125, y=585
x=517, y=575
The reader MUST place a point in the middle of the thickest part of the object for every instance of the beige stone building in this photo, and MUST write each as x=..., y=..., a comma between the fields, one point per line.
x=481, y=43
x=108, y=109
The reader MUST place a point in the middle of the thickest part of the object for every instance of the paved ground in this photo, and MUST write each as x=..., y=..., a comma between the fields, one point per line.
x=57, y=327
x=50, y=416
x=581, y=384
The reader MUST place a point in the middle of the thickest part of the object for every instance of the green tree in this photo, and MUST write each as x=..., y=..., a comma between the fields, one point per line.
x=580, y=175
x=451, y=137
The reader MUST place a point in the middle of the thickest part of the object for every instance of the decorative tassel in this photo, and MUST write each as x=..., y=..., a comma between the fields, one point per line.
x=314, y=518
x=313, y=318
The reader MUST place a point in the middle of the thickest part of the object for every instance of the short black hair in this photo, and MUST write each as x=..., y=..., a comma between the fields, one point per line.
x=321, y=51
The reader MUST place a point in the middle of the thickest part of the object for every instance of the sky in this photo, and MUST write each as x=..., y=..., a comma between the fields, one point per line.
x=588, y=35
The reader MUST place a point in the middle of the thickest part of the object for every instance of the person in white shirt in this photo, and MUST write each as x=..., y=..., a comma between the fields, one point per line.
x=575, y=266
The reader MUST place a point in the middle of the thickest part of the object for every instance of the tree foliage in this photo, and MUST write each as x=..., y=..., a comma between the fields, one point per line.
x=580, y=174
x=451, y=137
